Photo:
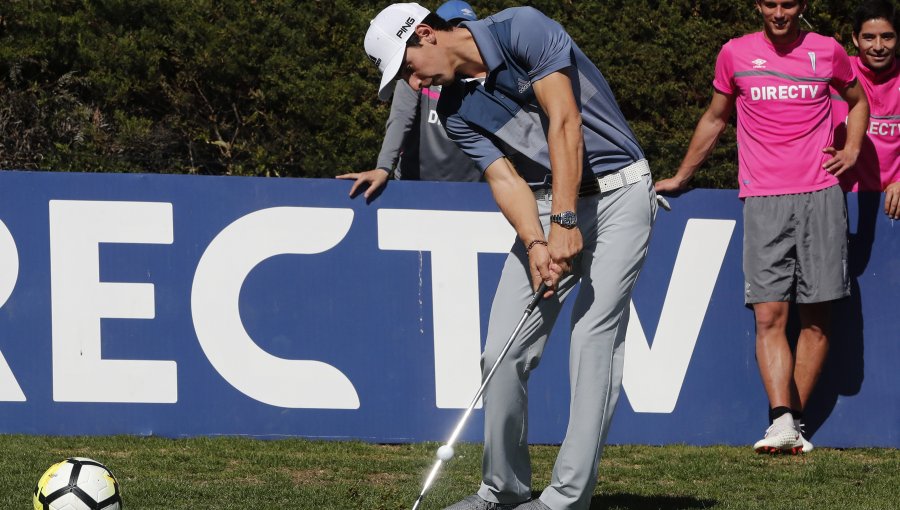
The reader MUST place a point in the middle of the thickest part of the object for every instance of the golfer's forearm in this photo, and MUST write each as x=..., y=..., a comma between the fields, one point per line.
x=566, y=145
x=520, y=209
x=515, y=200
x=565, y=139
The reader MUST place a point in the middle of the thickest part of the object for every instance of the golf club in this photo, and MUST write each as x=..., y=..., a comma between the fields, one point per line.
x=445, y=452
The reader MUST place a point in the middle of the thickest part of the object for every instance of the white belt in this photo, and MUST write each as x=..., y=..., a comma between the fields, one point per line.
x=609, y=182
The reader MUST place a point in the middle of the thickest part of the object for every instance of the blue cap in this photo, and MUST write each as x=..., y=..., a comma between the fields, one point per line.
x=456, y=10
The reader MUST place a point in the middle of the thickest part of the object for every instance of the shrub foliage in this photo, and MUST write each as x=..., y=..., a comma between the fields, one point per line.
x=283, y=88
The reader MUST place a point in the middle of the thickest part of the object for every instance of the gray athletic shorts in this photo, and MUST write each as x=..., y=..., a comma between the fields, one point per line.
x=795, y=248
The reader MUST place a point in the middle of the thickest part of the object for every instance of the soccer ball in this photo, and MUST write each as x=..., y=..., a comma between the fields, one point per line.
x=77, y=484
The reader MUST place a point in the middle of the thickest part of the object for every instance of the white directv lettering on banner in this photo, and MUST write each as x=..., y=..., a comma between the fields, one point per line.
x=215, y=296
x=654, y=375
x=79, y=300
x=454, y=238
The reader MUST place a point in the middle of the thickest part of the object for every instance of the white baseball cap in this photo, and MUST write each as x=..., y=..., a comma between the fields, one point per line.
x=386, y=40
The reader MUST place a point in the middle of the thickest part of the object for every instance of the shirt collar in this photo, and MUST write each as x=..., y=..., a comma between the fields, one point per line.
x=484, y=40
x=871, y=75
x=784, y=49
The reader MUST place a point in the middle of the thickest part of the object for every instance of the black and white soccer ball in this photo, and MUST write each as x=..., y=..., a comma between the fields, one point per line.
x=77, y=484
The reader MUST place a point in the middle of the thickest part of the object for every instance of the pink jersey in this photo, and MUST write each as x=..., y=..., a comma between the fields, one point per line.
x=879, y=158
x=784, y=109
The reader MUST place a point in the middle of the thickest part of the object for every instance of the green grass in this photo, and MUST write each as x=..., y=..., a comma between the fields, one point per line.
x=247, y=474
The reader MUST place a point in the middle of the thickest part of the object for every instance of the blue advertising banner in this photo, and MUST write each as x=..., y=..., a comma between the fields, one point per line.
x=187, y=305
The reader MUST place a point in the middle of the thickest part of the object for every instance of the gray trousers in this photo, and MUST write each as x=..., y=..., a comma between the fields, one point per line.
x=616, y=229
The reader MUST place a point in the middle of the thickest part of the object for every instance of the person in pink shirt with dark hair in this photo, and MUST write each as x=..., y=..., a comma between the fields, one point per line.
x=878, y=167
x=795, y=217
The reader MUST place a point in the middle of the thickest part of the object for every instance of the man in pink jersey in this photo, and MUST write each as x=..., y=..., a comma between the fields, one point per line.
x=795, y=220
x=878, y=168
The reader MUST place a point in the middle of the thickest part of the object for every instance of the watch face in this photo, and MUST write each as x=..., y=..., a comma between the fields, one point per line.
x=565, y=219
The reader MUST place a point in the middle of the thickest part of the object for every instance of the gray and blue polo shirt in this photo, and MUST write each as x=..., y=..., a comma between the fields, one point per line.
x=501, y=116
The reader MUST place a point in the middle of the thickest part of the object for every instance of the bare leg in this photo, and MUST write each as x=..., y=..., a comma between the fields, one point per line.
x=773, y=354
x=812, y=349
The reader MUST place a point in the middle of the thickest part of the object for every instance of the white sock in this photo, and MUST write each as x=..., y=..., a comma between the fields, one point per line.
x=786, y=419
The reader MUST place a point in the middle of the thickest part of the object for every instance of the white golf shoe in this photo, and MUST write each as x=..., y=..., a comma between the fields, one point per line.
x=807, y=446
x=780, y=438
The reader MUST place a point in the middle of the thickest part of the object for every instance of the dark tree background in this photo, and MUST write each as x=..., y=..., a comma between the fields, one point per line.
x=283, y=88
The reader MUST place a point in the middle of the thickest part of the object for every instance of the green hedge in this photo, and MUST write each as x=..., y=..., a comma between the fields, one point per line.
x=282, y=88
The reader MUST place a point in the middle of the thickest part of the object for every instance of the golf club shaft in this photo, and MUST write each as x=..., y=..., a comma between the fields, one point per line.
x=462, y=422
x=531, y=305
x=428, y=482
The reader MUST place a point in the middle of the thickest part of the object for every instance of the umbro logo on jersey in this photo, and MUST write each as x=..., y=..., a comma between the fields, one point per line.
x=523, y=85
x=812, y=60
x=759, y=64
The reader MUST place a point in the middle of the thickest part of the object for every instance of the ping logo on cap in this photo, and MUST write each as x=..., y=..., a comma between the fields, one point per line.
x=405, y=28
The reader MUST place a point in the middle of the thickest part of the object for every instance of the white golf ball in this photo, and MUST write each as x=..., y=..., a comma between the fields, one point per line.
x=445, y=452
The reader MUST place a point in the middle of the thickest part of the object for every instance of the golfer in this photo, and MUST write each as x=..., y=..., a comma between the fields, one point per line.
x=795, y=219
x=540, y=121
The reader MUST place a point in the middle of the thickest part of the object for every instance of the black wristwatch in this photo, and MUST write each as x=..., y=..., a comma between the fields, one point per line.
x=565, y=219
